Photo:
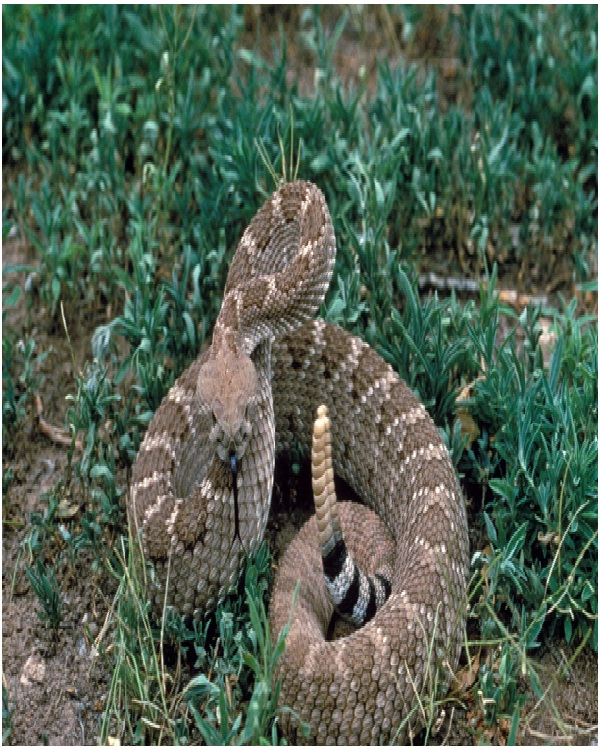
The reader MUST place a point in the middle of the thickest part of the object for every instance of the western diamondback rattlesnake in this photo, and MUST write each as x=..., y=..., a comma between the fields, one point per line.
x=256, y=390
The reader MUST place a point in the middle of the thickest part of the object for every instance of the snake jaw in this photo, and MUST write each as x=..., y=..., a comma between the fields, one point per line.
x=227, y=444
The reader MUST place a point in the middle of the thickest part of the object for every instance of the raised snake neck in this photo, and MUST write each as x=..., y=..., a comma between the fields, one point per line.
x=362, y=688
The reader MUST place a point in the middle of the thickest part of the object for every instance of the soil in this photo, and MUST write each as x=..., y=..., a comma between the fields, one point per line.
x=56, y=683
x=56, y=691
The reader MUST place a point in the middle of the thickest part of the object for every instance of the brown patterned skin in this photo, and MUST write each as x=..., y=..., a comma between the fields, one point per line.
x=359, y=689
x=387, y=448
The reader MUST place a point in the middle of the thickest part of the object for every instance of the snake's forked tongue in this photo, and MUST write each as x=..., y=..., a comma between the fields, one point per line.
x=236, y=513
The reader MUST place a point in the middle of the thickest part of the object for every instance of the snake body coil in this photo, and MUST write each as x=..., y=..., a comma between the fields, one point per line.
x=256, y=391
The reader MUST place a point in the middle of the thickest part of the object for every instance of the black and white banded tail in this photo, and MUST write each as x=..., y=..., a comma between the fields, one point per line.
x=354, y=595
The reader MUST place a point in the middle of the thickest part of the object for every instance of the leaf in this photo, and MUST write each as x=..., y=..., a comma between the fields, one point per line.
x=12, y=298
x=568, y=626
x=379, y=195
x=101, y=470
x=190, y=328
x=495, y=152
x=55, y=289
x=251, y=58
x=251, y=661
x=511, y=740
x=435, y=154
x=466, y=677
x=18, y=268
x=555, y=364
x=335, y=310
x=491, y=531
x=400, y=136
x=321, y=163
x=504, y=489
x=535, y=682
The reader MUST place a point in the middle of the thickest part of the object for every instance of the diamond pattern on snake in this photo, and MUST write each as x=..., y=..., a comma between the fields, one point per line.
x=201, y=490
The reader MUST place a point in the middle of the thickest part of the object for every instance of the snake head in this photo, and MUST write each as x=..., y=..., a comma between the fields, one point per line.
x=228, y=387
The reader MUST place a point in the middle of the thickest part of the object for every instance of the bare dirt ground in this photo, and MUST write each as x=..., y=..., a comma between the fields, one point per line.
x=57, y=685
x=56, y=690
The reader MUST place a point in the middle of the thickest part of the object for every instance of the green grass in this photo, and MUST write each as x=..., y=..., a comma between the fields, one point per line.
x=45, y=587
x=132, y=163
x=7, y=712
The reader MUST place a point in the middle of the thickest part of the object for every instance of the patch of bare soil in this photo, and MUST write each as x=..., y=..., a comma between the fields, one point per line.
x=56, y=689
x=55, y=683
x=568, y=714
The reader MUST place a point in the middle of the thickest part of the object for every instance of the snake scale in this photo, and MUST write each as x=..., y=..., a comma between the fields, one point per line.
x=256, y=392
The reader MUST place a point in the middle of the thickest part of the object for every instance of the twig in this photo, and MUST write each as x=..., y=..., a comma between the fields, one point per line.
x=56, y=434
x=471, y=286
x=561, y=739
x=582, y=725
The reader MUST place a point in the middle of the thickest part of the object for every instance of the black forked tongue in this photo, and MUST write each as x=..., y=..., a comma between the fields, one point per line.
x=236, y=513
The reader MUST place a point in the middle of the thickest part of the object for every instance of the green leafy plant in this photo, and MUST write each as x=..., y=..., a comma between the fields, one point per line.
x=45, y=586
x=546, y=488
x=7, y=715
x=498, y=687
x=255, y=655
x=21, y=358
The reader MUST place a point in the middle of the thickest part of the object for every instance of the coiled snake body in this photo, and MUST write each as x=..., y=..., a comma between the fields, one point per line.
x=256, y=391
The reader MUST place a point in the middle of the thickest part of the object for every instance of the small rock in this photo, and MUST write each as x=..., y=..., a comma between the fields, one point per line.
x=34, y=670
